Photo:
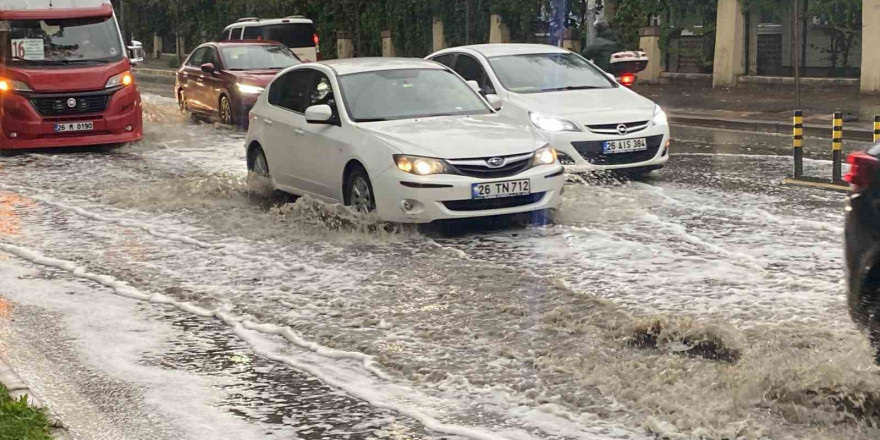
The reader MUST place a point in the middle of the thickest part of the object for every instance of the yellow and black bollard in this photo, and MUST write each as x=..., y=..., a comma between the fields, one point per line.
x=798, y=143
x=836, y=145
x=876, y=129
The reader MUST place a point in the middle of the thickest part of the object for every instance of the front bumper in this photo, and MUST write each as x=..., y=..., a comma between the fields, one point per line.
x=445, y=196
x=585, y=149
x=22, y=127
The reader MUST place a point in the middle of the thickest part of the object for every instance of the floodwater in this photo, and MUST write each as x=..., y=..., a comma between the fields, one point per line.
x=151, y=294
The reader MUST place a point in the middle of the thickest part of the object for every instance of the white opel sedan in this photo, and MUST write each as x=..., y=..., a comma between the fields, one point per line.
x=406, y=138
x=591, y=120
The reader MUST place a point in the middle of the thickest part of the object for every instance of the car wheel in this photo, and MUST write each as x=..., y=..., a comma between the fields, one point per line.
x=258, y=163
x=181, y=101
x=359, y=191
x=225, y=111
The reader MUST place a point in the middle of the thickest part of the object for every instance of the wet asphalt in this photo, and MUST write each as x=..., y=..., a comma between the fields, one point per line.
x=504, y=328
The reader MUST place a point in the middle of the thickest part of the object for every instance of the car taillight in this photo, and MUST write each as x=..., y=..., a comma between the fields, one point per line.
x=862, y=167
x=316, y=39
x=628, y=79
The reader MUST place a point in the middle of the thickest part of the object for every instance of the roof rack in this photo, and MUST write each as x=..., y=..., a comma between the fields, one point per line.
x=247, y=19
x=295, y=16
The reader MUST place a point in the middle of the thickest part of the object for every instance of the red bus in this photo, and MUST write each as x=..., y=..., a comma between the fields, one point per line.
x=65, y=76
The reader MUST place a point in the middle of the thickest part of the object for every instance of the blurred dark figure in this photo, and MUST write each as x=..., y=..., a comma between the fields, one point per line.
x=603, y=46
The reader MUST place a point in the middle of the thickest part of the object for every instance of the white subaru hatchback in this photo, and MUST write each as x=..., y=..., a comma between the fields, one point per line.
x=591, y=120
x=406, y=138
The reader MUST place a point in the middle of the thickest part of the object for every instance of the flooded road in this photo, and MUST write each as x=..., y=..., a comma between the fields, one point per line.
x=152, y=295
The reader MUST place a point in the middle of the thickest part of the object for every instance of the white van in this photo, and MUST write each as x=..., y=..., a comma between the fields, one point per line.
x=296, y=32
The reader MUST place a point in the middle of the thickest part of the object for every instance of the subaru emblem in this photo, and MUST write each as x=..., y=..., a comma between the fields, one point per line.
x=495, y=162
x=71, y=102
x=622, y=129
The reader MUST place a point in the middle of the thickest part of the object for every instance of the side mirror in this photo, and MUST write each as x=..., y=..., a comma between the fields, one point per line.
x=494, y=101
x=319, y=114
x=208, y=68
x=135, y=52
x=475, y=86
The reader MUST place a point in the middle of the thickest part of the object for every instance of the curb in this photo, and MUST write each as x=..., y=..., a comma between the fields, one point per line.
x=18, y=388
x=814, y=130
x=154, y=79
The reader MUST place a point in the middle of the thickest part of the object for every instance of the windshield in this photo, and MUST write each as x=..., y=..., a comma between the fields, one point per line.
x=289, y=34
x=547, y=73
x=258, y=57
x=46, y=42
x=411, y=93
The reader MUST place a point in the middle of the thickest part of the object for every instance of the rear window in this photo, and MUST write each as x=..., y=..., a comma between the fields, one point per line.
x=288, y=34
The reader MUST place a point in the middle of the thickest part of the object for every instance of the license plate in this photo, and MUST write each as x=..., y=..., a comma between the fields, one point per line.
x=495, y=190
x=625, y=146
x=74, y=126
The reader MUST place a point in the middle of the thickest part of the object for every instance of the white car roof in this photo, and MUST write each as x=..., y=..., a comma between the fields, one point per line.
x=348, y=66
x=18, y=5
x=270, y=21
x=502, y=49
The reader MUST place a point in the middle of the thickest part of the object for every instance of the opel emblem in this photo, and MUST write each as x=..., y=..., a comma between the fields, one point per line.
x=622, y=129
x=495, y=162
x=71, y=102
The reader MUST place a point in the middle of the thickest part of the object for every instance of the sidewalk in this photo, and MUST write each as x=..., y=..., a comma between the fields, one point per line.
x=765, y=109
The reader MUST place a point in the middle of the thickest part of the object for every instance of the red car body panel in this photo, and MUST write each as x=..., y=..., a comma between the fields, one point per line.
x=22, y=126
x=223, y=82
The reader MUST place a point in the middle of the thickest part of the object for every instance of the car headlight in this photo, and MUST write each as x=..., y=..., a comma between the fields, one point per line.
x=123, y=79
x=14, y=85
x=249, y=89
x=544, y=156
x=552, y=124
x=659, y=116
x=421, y=166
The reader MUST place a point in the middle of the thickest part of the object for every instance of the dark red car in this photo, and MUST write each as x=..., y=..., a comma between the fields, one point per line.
x=225, y=79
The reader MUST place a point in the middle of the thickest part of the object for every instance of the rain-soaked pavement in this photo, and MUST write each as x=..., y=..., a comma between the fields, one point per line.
x=150, y=295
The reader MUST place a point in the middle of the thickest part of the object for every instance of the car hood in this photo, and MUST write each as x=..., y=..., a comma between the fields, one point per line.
x=259, y=78
x=457, y=137
x=73, y=78
x=595, y=106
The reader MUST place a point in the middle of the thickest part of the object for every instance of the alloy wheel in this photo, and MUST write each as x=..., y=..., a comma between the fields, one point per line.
x=225, y=111
x=361, y=195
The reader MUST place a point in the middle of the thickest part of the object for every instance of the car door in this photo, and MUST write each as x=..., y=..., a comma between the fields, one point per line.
x=191, y=79
x=212, y=83
x=323, y=158
x=471, y=70
x=284, y=121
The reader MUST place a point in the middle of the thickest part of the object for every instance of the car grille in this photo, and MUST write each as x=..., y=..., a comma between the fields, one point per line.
x=487, y=204
x=479, y=167
x=591, y=151
x=57, y=105
x=631, y=127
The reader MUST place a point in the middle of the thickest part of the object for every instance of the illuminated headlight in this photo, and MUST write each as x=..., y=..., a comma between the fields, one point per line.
x=659, y=116
x=248, y=89
x=544, y=156
x=123, y=79
x=14, y=85
x=421, y=166
x=552, y=124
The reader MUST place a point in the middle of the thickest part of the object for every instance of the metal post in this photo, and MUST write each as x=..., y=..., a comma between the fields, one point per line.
x=798, y=143
x=876, y=129
x=836, y=144
x=795, y=54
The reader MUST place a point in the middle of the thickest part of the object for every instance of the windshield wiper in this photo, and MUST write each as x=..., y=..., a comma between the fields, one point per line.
x=372, y=120
x=570, y=88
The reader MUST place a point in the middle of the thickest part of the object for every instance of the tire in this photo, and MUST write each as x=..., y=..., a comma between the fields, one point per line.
x=359, y=191
x=225, y=111
x=181, y=101
x=258, y=163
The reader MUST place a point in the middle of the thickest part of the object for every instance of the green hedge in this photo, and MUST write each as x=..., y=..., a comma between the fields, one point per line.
x=409, y=20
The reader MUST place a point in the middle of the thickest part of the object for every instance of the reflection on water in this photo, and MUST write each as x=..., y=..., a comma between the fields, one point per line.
x=10, y=222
